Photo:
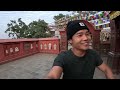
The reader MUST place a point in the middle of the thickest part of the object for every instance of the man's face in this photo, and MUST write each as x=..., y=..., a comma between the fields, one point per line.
x=81, y=39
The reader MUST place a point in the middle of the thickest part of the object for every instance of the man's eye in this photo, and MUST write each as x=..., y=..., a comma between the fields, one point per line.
x=87, y=34
x=79, y=35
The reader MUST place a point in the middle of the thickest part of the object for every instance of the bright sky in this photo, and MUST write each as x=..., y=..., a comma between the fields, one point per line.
x=27, y=17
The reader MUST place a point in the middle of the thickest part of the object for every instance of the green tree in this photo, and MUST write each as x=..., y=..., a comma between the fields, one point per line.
x=38, y=29
x=57, y=17
x=35, y=29
x=16, y=30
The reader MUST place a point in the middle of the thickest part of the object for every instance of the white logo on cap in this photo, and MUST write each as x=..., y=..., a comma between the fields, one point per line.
x=82, y=24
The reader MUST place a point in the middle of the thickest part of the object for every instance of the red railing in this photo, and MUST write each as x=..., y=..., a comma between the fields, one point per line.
x=49, y=45
x=11, y=49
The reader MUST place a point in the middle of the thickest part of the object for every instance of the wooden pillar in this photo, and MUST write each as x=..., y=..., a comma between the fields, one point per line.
x=63, y=41
x=21, y=49
x=1, y=52
x=114, y=54
x=96, y=40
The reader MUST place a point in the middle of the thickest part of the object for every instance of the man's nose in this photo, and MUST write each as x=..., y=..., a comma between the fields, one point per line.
x=85, y=37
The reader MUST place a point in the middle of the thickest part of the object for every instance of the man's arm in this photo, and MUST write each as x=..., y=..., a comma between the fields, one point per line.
x=107, y=71
x=55, y=73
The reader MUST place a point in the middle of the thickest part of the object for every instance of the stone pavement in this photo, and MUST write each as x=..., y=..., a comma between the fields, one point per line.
x=33, y=67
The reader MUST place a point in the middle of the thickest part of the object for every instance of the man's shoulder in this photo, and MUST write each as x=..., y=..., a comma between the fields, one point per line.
x=61, y=56
x=92, y=51
x=64, y=53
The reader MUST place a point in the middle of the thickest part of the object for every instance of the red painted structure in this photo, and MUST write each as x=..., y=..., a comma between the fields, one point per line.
x=63, y=41
x=11, y=49
x=49, y=45
x=114, y=54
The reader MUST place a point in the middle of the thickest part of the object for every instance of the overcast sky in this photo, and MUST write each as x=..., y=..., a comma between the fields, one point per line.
x=27, y=17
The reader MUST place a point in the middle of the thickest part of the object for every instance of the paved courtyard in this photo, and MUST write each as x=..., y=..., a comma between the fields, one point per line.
x=33, y=67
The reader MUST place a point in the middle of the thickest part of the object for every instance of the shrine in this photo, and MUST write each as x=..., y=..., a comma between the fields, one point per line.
x=114, y=54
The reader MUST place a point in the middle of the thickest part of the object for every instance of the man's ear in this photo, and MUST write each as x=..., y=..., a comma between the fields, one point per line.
x=70, y=41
